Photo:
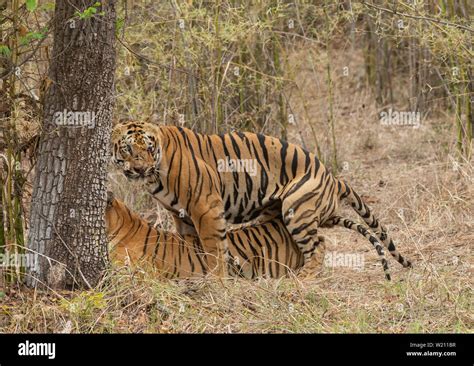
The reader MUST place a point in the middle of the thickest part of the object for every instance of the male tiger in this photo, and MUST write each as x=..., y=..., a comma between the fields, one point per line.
x=193, y=176
x=260, y=250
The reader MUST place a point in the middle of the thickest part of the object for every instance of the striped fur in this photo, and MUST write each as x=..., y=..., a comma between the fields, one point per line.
x=264, y=250
x=349, y=224
x=191, y=175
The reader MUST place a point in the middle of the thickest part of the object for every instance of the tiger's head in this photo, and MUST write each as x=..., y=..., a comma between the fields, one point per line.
x=136, y=148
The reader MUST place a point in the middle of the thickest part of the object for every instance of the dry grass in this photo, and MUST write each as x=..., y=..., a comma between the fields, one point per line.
x=433, y=297
x=408, y=177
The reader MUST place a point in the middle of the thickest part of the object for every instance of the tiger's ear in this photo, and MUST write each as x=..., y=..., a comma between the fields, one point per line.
x=117, y=131
x=110, y=198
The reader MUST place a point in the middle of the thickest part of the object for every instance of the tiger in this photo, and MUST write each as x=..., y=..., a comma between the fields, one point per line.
x=260, y=250
x=210, y=181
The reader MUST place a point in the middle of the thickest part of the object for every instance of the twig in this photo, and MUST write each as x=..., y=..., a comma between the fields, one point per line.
x=140, y=56
x=419, y=17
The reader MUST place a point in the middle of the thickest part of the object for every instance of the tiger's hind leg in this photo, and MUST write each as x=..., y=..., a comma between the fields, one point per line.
x=315, y=265
x=349, y=224
x=303, y=228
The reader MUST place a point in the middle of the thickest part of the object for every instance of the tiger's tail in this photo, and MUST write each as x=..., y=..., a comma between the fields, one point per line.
x=347, y=193
x=349, y=224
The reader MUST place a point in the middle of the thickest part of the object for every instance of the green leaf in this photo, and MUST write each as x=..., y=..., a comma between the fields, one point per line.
x=36, y=35
x=30, y=36
x=31, y=5
x=2, y=294
x=119, y=24
x=48, y=6
x=5, y=50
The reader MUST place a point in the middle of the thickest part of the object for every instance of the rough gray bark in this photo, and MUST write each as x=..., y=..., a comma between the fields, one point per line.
x=67, y=228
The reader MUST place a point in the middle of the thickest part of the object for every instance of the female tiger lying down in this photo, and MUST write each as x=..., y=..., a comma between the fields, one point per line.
x=254, y=249
x=210, y=181
x=264, y=249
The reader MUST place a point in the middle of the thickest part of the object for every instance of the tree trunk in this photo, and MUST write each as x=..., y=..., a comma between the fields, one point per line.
x=67, y=228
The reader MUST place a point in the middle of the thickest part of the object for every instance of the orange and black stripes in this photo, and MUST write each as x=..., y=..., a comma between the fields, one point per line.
x=211, y=181
x=255, y=251
x=348, y=194
x=349, y=224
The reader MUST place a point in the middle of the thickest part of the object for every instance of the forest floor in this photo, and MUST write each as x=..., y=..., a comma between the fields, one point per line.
x=411, y=181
